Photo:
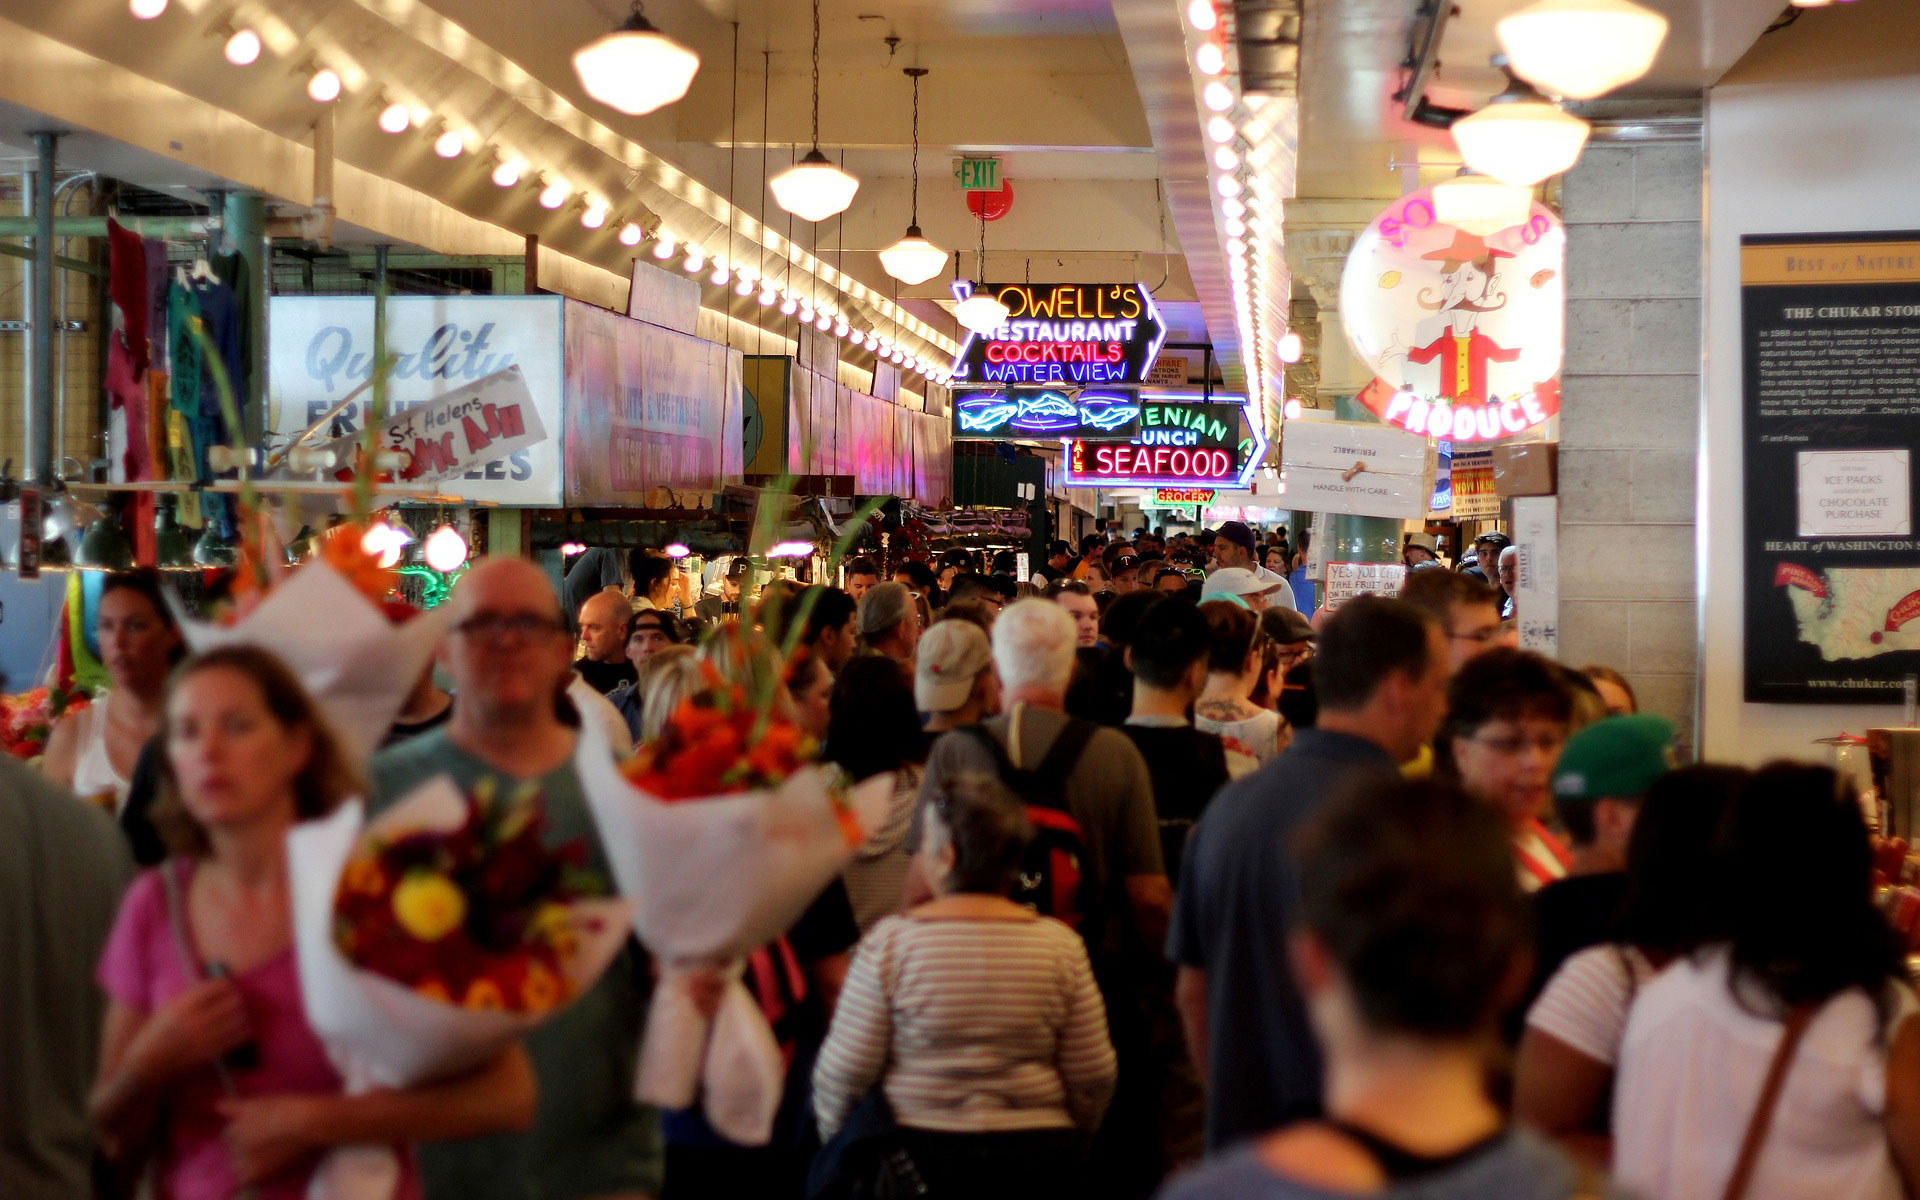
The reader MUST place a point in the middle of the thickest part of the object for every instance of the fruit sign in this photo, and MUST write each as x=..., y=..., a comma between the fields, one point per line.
x=1464, y=333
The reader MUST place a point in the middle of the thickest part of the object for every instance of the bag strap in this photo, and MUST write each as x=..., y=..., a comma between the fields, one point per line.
x=1064, y=755
x=1797, y=1021
x=177, y=919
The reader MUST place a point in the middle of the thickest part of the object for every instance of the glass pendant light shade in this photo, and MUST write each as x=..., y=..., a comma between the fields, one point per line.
x=913, y=259
x=1480, y=204
x=172, y=549
x=1520, y=141
x=981, y=313
x=103, y=547
x=636, y=68
x=813, y=189
x=1582, y=48
x=212, y=550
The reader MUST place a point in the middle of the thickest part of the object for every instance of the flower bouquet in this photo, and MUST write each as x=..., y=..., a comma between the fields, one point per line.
x=27, y=719
x=722, y=830
x=431, y=937
x=327, y=621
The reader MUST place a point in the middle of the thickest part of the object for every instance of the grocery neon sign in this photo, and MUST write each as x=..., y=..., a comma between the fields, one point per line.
x=1182, y=443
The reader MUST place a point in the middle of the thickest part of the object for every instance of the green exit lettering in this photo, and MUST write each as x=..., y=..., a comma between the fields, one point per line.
x=978, y=174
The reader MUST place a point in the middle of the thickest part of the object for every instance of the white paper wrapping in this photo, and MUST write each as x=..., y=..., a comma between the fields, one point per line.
x=356, y=664
x=712, y=880
x=379, y=1032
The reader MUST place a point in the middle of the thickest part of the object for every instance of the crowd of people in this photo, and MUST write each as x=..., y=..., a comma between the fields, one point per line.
x=1183, y=888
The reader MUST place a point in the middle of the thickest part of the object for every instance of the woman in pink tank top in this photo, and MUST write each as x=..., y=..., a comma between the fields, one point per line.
x=208, y=1058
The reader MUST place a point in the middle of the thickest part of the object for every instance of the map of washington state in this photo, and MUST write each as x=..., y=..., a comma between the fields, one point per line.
x=1855, y=613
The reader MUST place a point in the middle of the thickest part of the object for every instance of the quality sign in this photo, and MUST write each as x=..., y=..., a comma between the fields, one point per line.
x=1062, y=335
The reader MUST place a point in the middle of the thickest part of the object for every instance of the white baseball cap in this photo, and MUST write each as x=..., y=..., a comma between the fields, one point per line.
x=1238, y=581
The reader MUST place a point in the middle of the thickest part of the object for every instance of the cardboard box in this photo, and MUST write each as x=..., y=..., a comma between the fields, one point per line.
x=1526, y=469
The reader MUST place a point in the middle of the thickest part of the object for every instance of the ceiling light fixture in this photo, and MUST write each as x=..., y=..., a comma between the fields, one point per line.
x=1224, y=158
x=979, y=311
x=1480, y=204
x=719, y=276
x=243, y=48
x=636, y=68
x=1201, y=16
x=913, y=259
x=1210, y=58
x=631, y=235
x=445, y=549
x=323, y=86
x=744, y=287
x=1219, y=129
x=508, y=172
x=554, y=194
x=594, y=215
x=823, y=322
x=396, y=118
x=1291, y=347
x=1582, y=48
x=789, y=306
x=146, y=10
x=1217, y=96
x=449, y=144
x=813, y=189
x=1520, y=137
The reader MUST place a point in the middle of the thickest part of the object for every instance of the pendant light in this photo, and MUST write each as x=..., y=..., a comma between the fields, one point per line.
x=636, y=68
x=813, y=189
x=103, y=547
x=1520, y=137
x=1582, y=48
x=172, y=549
x=913, y=259
x=981, y=312
x=214, y=550
x=1480, y=204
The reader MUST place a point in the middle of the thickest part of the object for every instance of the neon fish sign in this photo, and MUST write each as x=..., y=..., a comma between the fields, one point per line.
x=1046, y=414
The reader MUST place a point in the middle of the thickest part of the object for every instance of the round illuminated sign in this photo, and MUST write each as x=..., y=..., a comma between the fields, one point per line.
x=1464, y=333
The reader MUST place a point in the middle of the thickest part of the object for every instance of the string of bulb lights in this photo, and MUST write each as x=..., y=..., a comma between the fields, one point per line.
x=634, y=69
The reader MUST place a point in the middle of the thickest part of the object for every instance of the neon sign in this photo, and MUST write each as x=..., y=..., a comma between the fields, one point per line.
x=1183, y=442
x=1175, y=496
x=1464, y=334
x=1091, y=415
x=1064, y=334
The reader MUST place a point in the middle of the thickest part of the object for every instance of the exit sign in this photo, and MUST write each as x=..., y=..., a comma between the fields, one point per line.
x=978, y=174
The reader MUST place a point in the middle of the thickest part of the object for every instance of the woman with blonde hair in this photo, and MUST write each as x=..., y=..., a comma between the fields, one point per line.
x=205, y=1023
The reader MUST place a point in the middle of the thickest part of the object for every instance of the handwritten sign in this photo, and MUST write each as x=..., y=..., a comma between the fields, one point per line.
x=446, y=436
x=1346, y=580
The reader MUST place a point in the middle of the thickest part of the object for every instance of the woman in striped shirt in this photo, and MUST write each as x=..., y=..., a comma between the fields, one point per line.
x=977, y=1018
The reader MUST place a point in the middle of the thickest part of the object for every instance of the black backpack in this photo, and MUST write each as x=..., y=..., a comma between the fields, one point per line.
x=1054, y=880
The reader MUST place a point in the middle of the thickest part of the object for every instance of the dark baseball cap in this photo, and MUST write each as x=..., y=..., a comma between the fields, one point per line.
x=1239, y=534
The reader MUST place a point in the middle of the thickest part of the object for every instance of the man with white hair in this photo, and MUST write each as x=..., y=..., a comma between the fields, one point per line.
x=1097, y=777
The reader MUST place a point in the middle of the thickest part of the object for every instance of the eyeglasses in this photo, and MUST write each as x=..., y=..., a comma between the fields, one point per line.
x=492, y=627
x=1547, y=744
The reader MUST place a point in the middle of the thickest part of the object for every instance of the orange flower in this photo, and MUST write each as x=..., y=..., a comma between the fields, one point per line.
x=433, y=990
x=364, y=877
x=341, y=549
x=541, y=990
x=484, y=994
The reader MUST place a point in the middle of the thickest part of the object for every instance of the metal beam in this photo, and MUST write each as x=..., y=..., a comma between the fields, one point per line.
x=8, y=250
x=39, y=425
x=97, y=226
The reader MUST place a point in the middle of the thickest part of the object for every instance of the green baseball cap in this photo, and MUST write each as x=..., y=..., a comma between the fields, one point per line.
x=1618, y=756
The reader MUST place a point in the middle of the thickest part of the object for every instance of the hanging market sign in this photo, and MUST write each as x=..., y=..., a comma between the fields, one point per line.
x=1465, y=334
x=1084, y=334
x=1181, y=443
x=1047, y=413
x=450, y=435
x=1169, y=497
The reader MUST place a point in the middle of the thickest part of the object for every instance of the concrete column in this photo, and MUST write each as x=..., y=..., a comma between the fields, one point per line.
x=1630, y=420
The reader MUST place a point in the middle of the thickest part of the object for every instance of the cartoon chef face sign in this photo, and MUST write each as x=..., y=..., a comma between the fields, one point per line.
x=1455, y=319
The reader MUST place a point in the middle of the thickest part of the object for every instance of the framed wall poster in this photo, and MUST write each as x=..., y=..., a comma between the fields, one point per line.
x=1831, y=413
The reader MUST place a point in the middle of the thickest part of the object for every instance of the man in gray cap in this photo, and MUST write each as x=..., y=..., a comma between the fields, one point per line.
x=889, y=624
x=953, y=681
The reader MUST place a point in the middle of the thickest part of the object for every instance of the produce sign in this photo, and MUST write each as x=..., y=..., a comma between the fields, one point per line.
x=1181, y=443
x=1087, y=334
x=1464, y=333
x=1092, y=416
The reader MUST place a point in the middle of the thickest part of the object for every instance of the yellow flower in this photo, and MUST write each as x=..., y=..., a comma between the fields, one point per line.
x=541, y=991
x=428, y=905
x=483, y=994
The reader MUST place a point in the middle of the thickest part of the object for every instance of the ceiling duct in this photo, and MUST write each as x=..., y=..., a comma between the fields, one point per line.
x=1267, y=36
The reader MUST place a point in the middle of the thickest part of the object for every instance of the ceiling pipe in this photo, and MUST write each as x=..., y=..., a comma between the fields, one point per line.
x=39, y=423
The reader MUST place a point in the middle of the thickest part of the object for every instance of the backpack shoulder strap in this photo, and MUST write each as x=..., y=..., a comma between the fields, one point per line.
x=1002, y=765
x=1064, y=755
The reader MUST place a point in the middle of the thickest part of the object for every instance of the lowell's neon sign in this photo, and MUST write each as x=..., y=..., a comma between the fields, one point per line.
x=1063, y=334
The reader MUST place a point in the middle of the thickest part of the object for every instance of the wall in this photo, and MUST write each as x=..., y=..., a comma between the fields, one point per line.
x=1629, y=425
x=1813, y=131
x=76, y=435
